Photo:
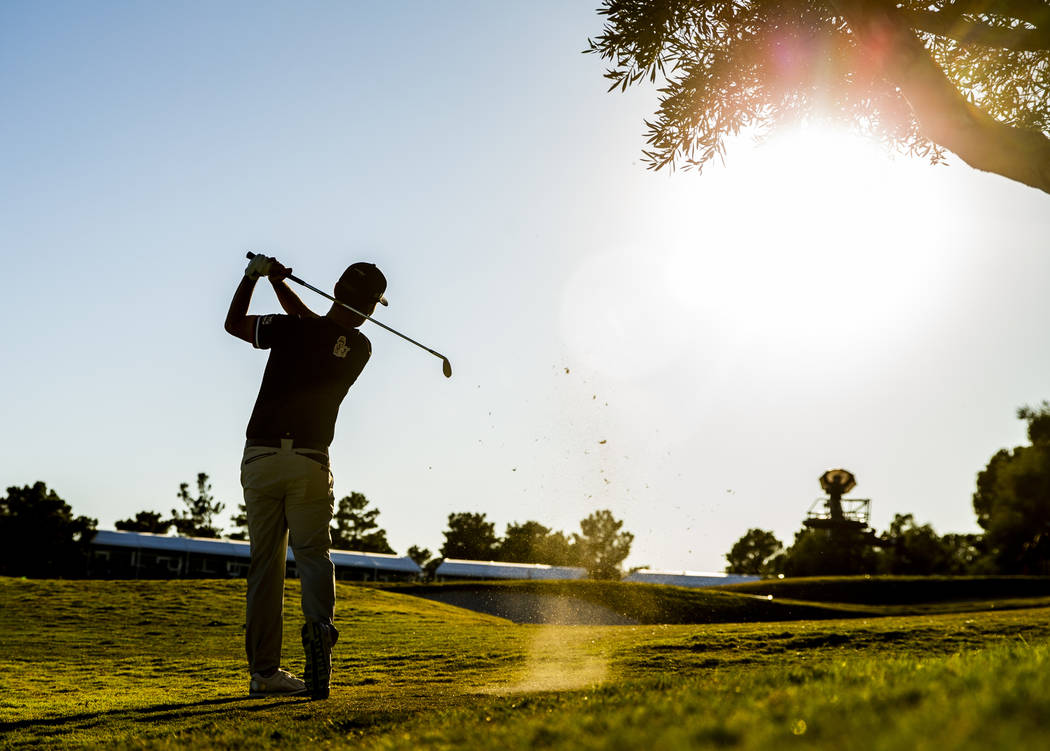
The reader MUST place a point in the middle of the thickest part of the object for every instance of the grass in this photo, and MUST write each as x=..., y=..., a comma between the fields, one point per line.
x=774, y=600
x=159, y=665
x=900, y=590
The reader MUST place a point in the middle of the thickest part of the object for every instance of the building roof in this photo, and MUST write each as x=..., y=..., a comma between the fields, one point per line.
x=687, y=578
x=455, y=567
x=242, y=549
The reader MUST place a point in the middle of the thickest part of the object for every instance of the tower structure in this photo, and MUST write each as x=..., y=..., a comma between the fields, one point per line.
x=834, y=512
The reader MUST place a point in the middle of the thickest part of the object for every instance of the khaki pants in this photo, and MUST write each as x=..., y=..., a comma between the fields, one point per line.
x=285, y=492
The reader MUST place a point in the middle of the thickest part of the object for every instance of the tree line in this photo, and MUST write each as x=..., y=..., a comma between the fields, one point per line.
x=601, y=545
x=1011, y=501
x=41, y=537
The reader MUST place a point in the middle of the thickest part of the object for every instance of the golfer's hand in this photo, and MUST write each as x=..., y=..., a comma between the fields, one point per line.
x=260, y=265
x=278, y=271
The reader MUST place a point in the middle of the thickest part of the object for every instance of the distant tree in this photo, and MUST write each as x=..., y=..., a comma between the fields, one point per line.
x=822, y=552
x=40, y=536
x=197, y=520
x=355, y=526
x=966, y=554
x=922, y=77
x=420, y=555
x=1012, y=500
x=600, y=546
x=532, y=542
x=554, y=550
x=471, y=537
x=430, y=569
x=240, y=523
x=1038, y=419
x=146, y=521
x=753, y=552
x=908, y=548
x=425, y=560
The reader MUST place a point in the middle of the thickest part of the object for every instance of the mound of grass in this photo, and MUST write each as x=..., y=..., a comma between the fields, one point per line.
x=755, y=602
x=640, y=603
x=898, y=590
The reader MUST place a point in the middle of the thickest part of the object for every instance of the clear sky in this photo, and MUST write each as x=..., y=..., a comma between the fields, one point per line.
x=689, y=351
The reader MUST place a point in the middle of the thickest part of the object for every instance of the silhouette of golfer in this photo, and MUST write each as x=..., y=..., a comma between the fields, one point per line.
x=285, y=471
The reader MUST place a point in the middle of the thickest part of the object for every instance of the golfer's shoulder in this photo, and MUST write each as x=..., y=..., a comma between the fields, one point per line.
x=353, y=339
x=280, y=320
x=275, y=329
x=361, y=342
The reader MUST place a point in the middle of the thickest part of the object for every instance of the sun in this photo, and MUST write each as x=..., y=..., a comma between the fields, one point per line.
x=806, y=245
x=812, y=236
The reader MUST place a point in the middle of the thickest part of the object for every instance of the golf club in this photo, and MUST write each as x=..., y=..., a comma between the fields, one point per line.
x=446, y=366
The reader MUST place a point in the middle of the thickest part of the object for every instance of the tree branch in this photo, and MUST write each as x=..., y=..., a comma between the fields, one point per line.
x=945, y=116
x=953, y=26
x=1034, y=12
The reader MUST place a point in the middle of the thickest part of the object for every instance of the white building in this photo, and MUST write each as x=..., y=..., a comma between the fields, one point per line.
x=454, y=568
x=124, y=555
x=687, y=578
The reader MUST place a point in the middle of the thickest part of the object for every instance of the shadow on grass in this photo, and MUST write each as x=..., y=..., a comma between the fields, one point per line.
x=151, y=714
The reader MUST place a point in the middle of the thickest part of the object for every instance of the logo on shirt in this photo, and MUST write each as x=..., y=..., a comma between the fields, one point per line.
x=340, y=349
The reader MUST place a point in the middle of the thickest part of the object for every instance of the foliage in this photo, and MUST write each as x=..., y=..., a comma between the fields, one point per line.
x=752, y=553
x=905, y=548
x=1012, y=500
x=600, y=546
x=821, y=552
x=40, y=536
x=471, y=537
x=966, y=554
x=145, y=521
x=915, y=76
x=532, y=542
x=425, y=560
x=197, y=520
x=240, y=523
x=420, y=555
x=908, y=548
x=1038, y=420
x=356, y=527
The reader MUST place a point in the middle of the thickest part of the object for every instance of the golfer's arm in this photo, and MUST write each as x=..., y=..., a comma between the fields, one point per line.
x=290, y=301
x=238, y=322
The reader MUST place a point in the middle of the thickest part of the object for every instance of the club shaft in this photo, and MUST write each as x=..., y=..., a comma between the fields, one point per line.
x=309, y=286
x=322, y=293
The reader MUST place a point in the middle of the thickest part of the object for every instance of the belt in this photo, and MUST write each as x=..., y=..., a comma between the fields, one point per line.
x=276, y=444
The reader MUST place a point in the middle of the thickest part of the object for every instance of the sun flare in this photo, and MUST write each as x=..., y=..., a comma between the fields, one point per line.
x=807, y=241
x=820, y=235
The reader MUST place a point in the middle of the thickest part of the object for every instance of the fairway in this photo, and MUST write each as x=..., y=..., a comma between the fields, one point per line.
x=158, y=664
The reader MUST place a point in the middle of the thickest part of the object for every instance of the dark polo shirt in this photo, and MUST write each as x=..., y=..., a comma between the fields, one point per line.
x=312, y=364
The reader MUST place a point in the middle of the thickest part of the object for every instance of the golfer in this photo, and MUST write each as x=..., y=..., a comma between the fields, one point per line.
x=285, y=472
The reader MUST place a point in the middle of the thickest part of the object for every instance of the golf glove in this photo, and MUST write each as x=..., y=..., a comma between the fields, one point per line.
x=260, y=265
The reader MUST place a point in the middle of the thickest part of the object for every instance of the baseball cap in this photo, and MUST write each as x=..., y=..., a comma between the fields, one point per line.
x=361, y=281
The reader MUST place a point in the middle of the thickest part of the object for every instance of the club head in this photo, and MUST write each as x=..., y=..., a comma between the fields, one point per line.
x=446, y=367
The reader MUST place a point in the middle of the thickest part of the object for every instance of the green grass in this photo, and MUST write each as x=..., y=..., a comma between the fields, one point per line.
x=777, y=600
x=160, y=665
x=649, y=604
x=900, y=590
